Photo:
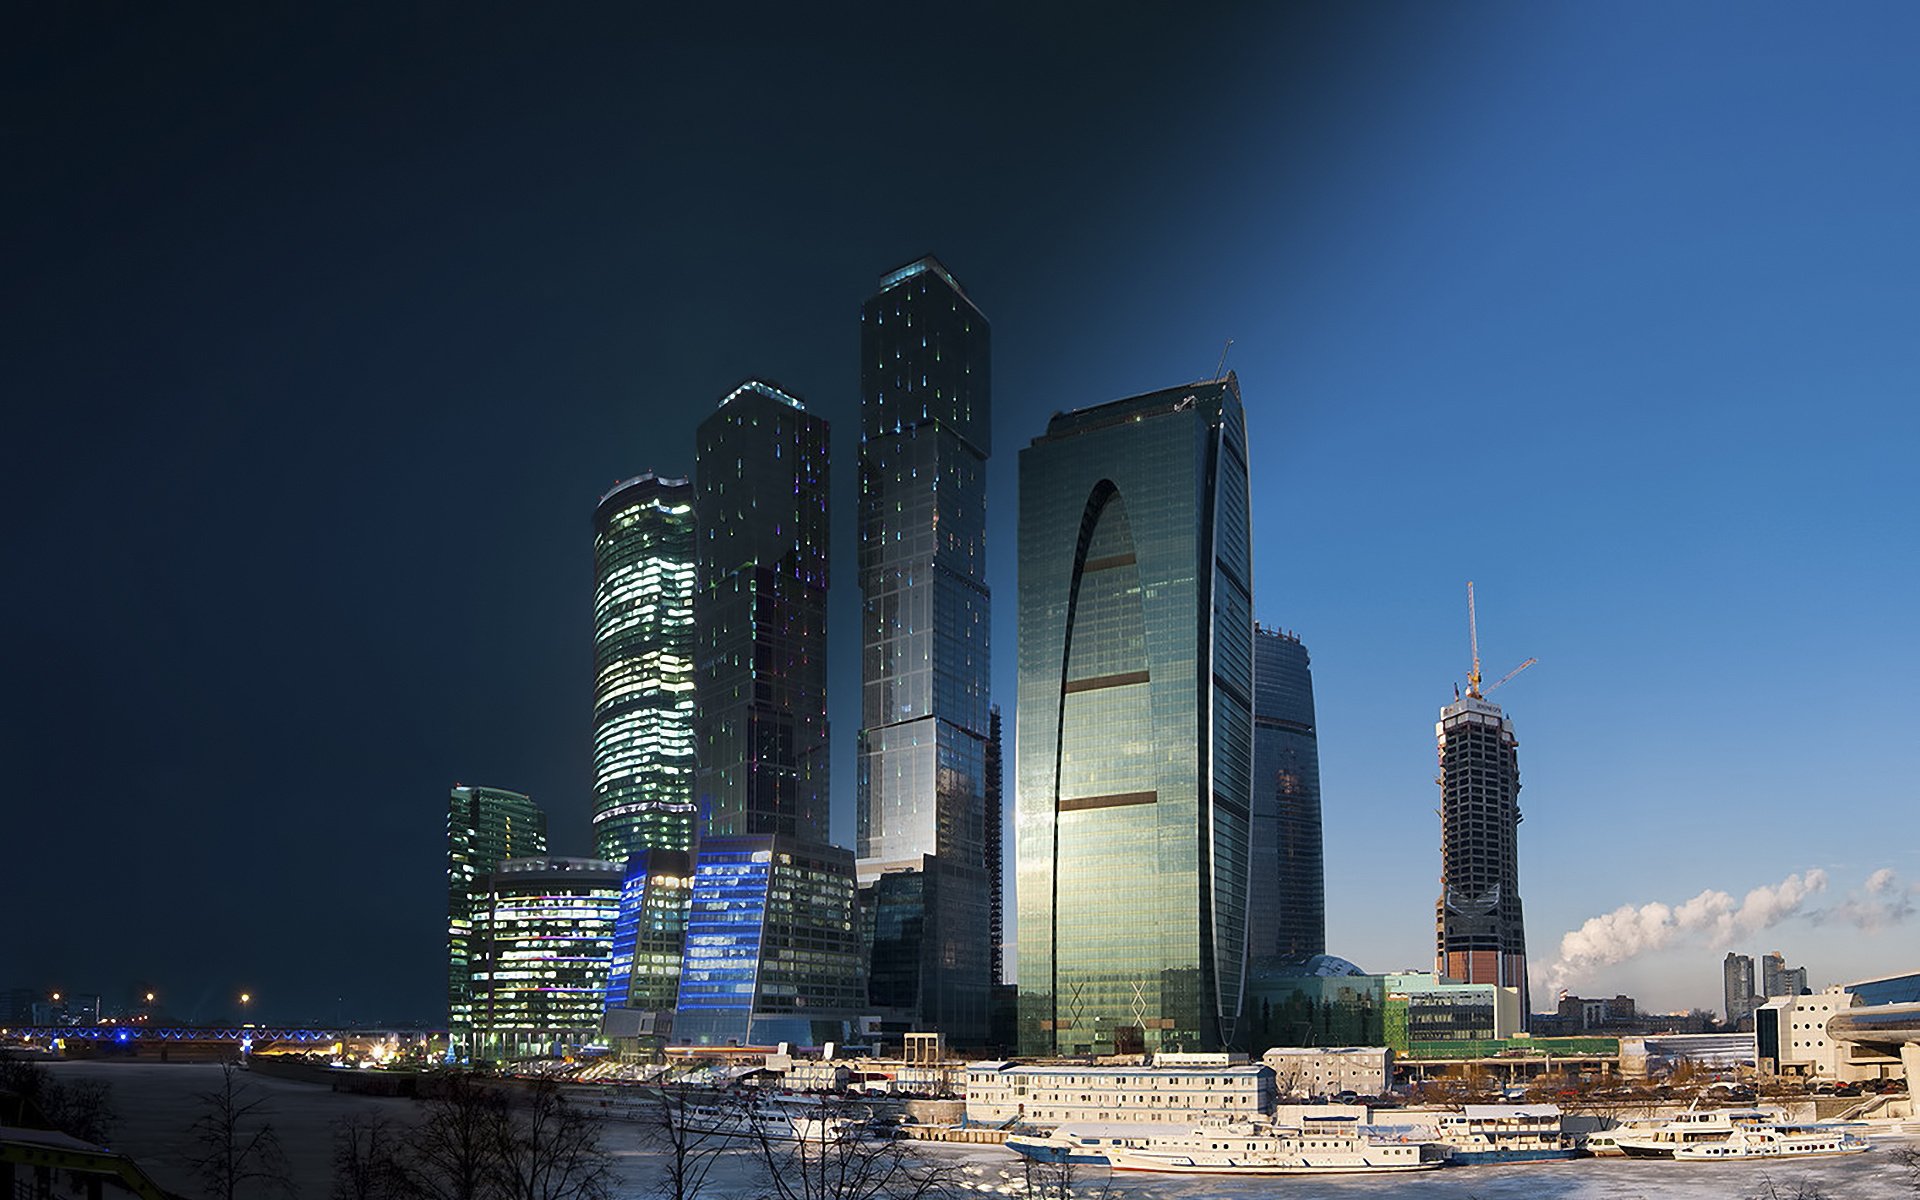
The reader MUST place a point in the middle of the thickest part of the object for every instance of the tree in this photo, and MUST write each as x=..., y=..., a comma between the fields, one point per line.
x=831, y=1152
x=1064, y=1180
x=235, y=1148
x=365, y=1162
x=450, y=1156
x=548, y=1149
x=690, y=1151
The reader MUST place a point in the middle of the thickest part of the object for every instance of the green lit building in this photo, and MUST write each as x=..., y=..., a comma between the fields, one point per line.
x=643, y=706
x=1134, y=738
x=542, y=942
x=485, y=827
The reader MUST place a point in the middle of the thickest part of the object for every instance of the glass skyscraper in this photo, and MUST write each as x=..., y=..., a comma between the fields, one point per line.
x=485, y=827
x=925, y=435
x=1286, y=908
x=760, y=609
x=1134, y=736
x=650, y=931
x=643, y=668
x=771, y=949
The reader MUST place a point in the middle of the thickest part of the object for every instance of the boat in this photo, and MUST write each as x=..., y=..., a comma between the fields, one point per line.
x=1775, y=1142
x=1234, y=1148
x=776, y=1122
x=1695, y=1127
x=1605, y=1143
x=1481, y=1134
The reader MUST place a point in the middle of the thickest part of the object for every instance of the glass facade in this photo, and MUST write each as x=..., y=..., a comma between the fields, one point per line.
x=1134, y=751
x=925, y=435
x=760, y=617
x=1300, y=1003
x=543, y=939
x=649, y=935
x=643, y=668
x=1479, y=929
x=485, y=827
x=1287, y=908
x=771, y=947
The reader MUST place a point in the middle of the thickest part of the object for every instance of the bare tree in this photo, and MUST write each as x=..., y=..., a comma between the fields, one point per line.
x=1063, y=1180
x=81, y=1108
x=690, y=1150
x=831, y=1153
x=365, y=1159
x=1908, y=1158
x=548, y=1149
x=235, y=1148
x=450, y=1156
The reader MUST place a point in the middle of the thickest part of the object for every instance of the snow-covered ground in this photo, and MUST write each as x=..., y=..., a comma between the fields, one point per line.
x=157, y=1104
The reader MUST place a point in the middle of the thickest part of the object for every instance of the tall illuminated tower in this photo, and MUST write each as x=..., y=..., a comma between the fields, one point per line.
x=760, y=616
x=485, y=827
x=643, y=668
x=1134, y=734
x=925, y=434
x=1480, y=932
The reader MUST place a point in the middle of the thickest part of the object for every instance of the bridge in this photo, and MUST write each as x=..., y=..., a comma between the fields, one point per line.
x=239, y=1035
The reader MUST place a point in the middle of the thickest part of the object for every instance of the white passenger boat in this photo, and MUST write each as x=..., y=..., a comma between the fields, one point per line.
x=1695, y=1127
x=1775, y=1142
x=775, y=1122
x=1481, y=1134
x=1237, y=1148
x=1606, y=1142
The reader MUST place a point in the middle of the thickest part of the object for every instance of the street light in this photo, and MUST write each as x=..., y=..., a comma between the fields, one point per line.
x=246, y=997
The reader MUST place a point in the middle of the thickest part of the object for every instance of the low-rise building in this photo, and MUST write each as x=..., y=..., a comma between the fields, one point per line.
x=1424, y=1007
x=1848, y=1032
x=1309, y=1071
x=998, y=1092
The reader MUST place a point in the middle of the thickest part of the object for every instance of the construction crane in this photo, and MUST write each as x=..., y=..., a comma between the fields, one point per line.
x=1473, y=637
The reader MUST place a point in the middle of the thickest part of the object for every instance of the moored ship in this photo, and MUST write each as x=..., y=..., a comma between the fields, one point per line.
x=1481, y=1134
x=1236, y=1148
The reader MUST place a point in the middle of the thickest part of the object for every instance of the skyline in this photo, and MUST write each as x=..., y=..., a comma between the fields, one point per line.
x=1641, y=284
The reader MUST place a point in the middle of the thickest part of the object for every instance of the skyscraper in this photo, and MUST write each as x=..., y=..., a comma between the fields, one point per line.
x=1287, y=911
x=1480, y=935
x=996, y=853
x=643, y=668
x=771, y=949
x=924, y=439
x=1777, y=980
x=760, y=608
x=1736, y=978
x=485, y=827
x=1134, y=742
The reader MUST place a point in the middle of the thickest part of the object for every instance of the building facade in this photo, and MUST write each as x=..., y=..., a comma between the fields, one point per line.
x=1736, y=979
x=772, y=954
x=1134, y=739
x=543, y=938
x=1317, y=1072
x=485, y=827
x=1287, y=907
x=643, y=668
x=1479, y=929
x=998, y=1092
x=760, y=616
x=926, y=432
x=649, y=934
x=1777, y=979
x=1423, y=1009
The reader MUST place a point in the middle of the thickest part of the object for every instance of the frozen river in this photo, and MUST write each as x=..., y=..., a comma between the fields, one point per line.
x=157, y=1104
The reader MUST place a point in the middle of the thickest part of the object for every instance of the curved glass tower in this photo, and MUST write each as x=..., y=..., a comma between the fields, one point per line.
x=643, y=701
x=1134, y=739
x=1287, y=910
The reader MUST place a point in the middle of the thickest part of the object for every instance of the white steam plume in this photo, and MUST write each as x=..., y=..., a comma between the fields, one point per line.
x=1711, y=917
x=1884, y=900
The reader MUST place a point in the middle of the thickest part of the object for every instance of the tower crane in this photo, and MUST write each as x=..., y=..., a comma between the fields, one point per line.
x=1473, y=638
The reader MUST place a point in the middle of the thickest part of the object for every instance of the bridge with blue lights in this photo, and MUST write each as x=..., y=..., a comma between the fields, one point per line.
x=238, y=1035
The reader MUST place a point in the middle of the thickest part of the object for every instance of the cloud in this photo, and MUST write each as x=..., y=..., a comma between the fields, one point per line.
x=1881, y=902
x=1710, y=918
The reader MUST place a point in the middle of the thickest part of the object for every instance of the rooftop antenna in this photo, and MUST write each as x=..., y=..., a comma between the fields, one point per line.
x=1221, y=369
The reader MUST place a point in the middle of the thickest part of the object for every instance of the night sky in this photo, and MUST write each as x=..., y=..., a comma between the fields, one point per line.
x=323, y=333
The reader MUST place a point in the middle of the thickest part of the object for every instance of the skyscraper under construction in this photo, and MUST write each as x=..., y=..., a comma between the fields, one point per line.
x=1480, y=934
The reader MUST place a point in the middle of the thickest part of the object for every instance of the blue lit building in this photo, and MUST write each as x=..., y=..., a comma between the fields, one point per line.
x=772, y=954
x=1134, y=737
x=648, y=936
x=926, y=431
x=1287, y=908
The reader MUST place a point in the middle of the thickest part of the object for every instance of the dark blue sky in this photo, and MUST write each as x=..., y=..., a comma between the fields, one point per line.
x=323, y=334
